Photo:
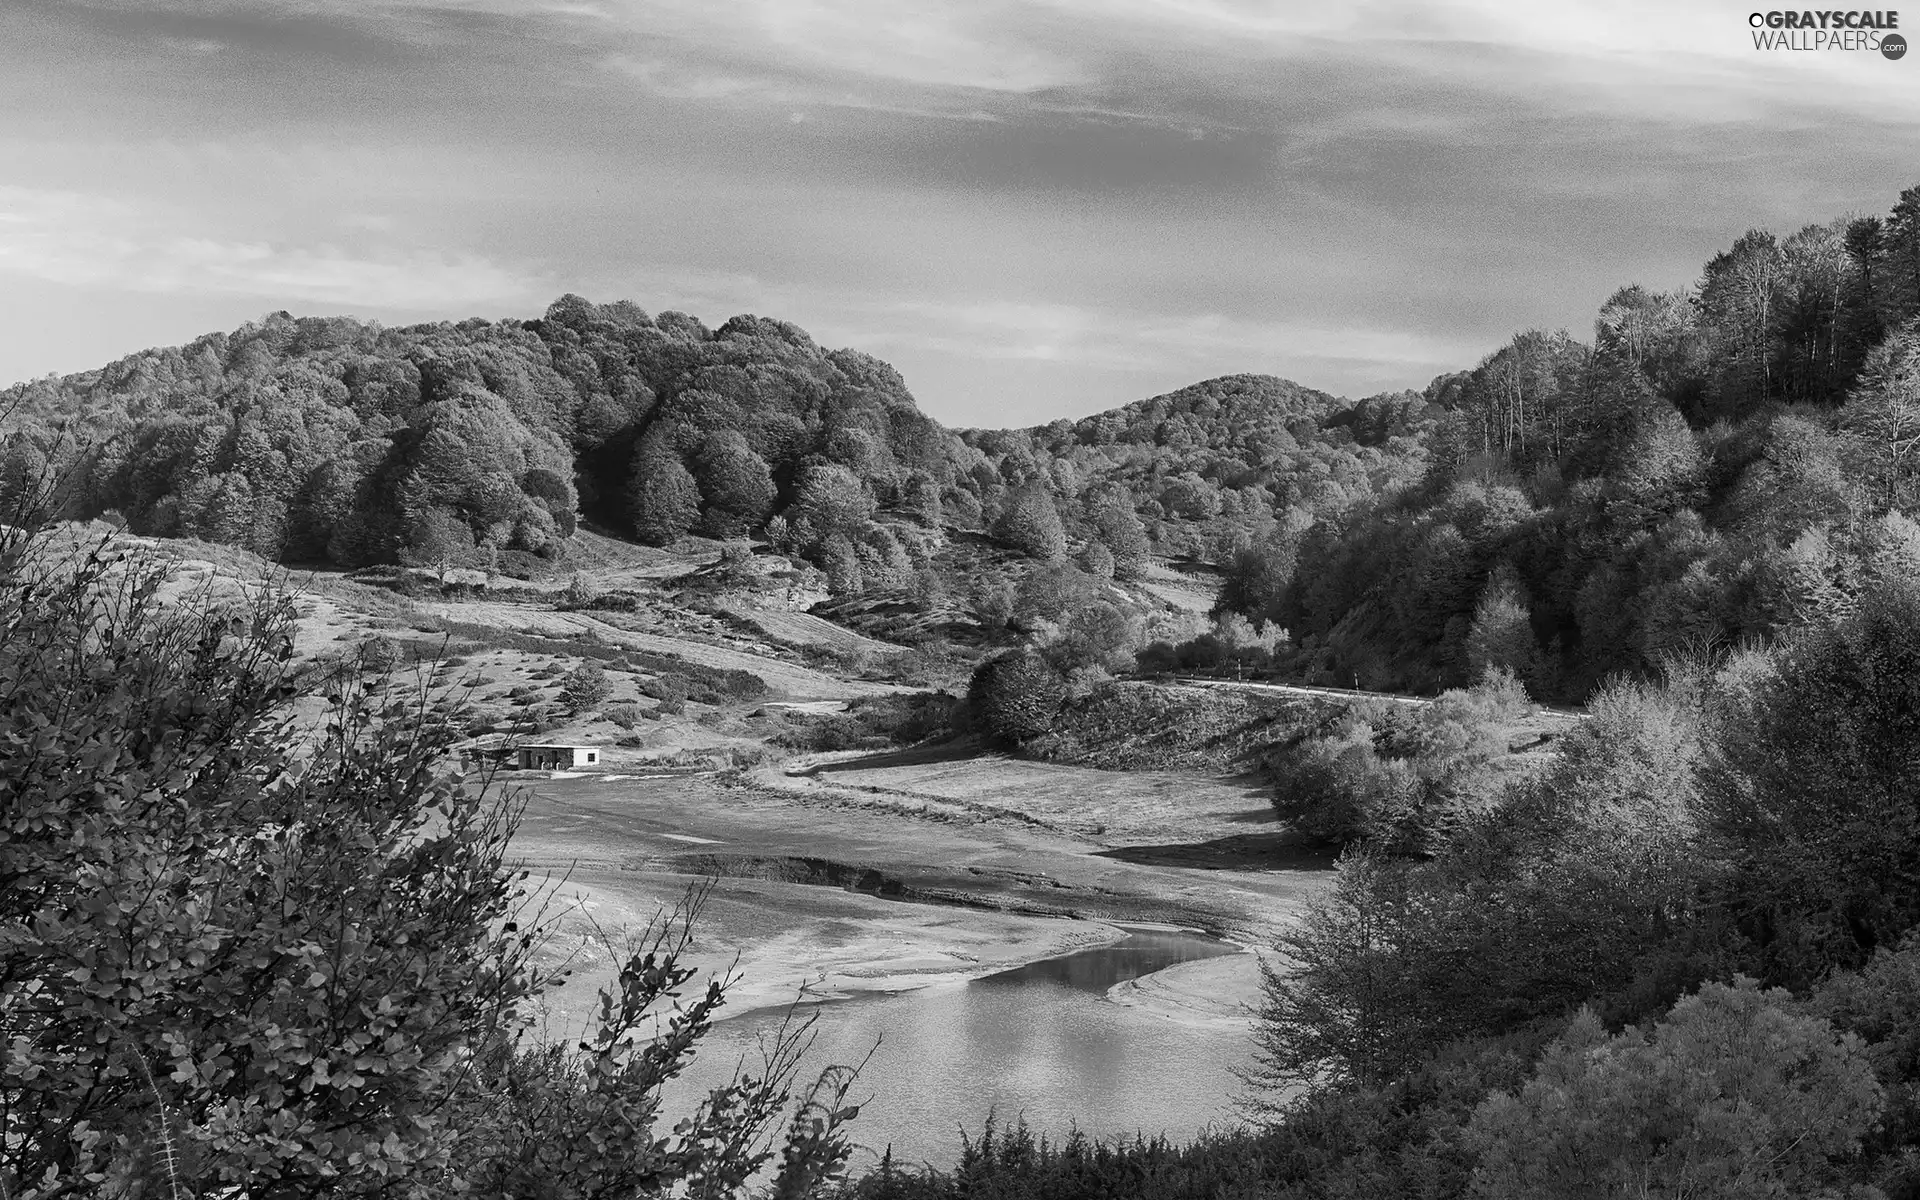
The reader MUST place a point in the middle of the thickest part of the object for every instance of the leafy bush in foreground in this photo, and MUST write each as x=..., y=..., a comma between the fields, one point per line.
x=1732, y=1094
x=239, y=953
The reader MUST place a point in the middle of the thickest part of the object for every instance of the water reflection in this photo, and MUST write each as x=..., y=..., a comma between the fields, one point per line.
x=1142, y=953
x=1037, y=1042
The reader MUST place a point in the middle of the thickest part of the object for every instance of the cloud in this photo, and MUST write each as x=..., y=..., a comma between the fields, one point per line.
x=1090, y=338
x=1161, y=61
x=1120, y=340
x=1071, y=199
x=90, y=241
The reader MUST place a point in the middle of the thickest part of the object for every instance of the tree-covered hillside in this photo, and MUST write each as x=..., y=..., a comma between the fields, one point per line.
x=1718, y=463
x=327, y=438
x=1220, y=462
x=310, y=439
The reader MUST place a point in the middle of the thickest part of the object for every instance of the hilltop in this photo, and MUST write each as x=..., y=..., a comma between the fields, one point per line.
x=1714, y=466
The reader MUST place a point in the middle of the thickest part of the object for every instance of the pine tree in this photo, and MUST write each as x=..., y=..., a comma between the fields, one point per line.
x=585, y=687
x=1900, y=247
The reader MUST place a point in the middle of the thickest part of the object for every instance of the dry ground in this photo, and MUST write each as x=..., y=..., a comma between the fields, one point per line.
x=880, y=873
x=846, y=890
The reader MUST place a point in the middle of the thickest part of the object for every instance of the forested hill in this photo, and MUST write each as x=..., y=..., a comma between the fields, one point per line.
x=316, y=438
x=1719, y=463
x=483, y=442
x=1214, y=464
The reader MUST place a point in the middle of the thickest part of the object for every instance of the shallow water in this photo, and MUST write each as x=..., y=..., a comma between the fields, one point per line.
x=1039, y=1042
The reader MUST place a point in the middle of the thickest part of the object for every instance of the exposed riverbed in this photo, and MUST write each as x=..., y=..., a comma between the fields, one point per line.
x=996, y=964
x=1042, y=1043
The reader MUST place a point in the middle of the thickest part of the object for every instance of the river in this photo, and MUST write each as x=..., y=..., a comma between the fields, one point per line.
x=1040, y=1043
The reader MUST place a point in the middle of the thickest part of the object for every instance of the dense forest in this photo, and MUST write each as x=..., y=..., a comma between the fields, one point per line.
x=1717, y=465
x=484, y=443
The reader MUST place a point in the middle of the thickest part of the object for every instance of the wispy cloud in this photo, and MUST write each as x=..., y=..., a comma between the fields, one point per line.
x=1027, y=205
x=1089, y=338
x=1121, y=340
x=89, y=241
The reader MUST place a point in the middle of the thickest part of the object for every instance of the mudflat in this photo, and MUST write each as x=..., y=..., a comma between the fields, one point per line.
x=841, y=886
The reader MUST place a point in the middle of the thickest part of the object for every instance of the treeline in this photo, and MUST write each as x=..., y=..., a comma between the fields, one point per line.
x=483, y=443
x=1213, y=465
x=1719, y=464
x=329, y=439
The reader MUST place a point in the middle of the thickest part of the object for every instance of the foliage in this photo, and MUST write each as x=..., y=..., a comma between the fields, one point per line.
x=585, y=687
x=1397, y=776
x=1117, y=531
x=1335, y=1007
x=1643, y=490
x=735, y=483
x=326, y=438
x=583, y=1121
x=1812, y=790
x=1030, y=524
x=666, y=500
x=1577, y=886
x=1687, y=480
x=1732, y=1094
x=1501, y=635
x=877, y=722
x=1014, y=696
x=240, y=952
x=297, y=953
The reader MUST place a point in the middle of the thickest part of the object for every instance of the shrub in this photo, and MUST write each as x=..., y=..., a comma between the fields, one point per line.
x=626, y=716
x=1733, y=1094
x=1031, y=524
x=1811, y=790
x=1498, y=695
x=223, y=975
x=824, y=735
x=1395, y=775
x=380, y=654
x=1014, y=696
x=585, y=687
x=1337, y=788
x=668, y=689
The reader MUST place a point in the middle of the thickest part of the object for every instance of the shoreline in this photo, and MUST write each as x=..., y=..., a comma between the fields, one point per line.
x=830, y=903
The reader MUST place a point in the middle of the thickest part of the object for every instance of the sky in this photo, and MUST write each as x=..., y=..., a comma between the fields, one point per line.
x=1033, y=210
